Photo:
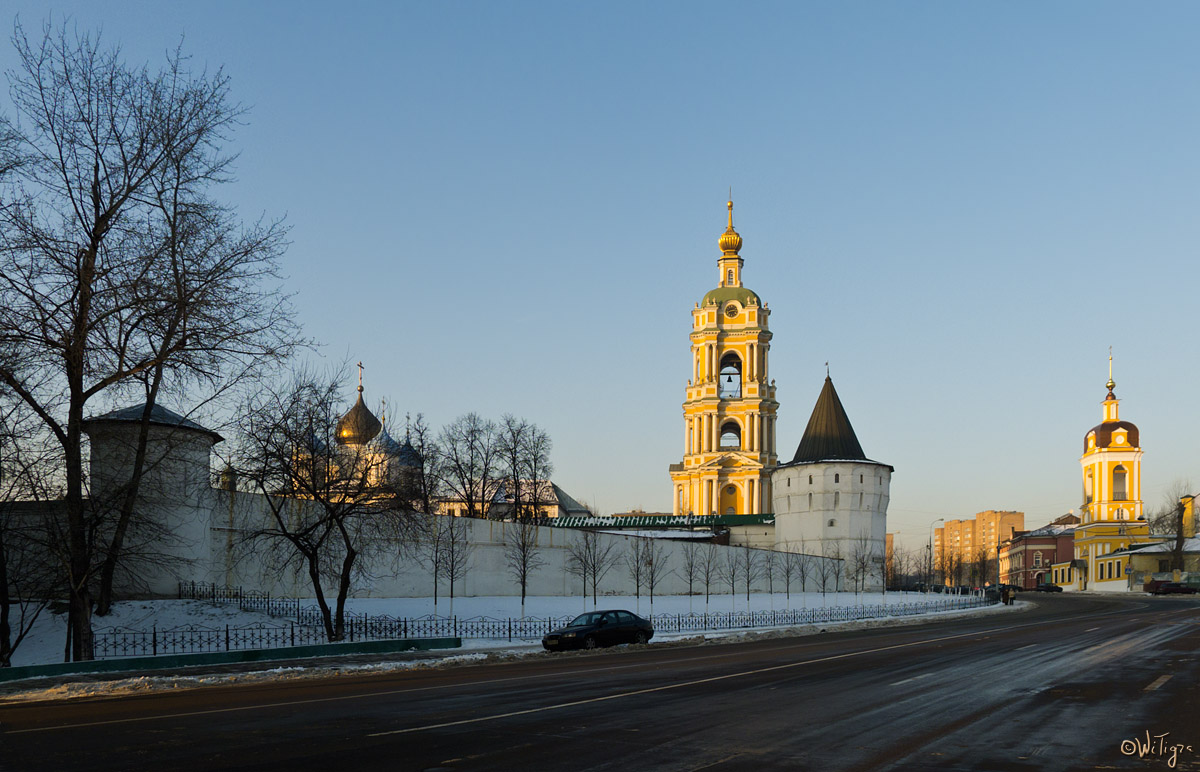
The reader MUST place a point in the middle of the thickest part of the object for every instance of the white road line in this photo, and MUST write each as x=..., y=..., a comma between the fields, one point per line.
x=620, y=695
x=1023, y=648
x=389, y=692
x=1157, y=683
x=914, y=678
x=1091, y=629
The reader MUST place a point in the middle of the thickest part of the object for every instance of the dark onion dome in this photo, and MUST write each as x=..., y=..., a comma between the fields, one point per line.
x=159, y=416
x=359, y=425
x=408, y=456
x=1104, y=431
x=385, y=444
x=829, y=435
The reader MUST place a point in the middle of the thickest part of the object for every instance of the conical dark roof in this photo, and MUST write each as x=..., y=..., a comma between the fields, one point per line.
x=829, y=435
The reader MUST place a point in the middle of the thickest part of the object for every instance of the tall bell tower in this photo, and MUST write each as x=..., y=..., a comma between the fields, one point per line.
x=730, y=409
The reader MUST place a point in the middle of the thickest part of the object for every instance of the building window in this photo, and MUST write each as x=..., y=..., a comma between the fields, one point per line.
x=729, y=276
x=1120, y=493
x=860, y=478
x=731, y=436
x=836, y=499
x=837, y=478
x=810, y=479
x=789, y=482
x=1037, y=560
x=729, y=381
x=810, y=501
x=832, y=523
x=1087, y=487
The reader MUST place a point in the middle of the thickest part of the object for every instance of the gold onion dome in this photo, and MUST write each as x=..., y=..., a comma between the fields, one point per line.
x=359, y=425
x=730, y=242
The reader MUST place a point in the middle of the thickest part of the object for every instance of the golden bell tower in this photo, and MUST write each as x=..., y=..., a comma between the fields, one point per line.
x=729, y=412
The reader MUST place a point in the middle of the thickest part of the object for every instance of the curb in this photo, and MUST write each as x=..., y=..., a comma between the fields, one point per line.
x=173, y=661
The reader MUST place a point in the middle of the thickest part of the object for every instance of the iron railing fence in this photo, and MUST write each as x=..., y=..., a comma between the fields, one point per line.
x=307, y=626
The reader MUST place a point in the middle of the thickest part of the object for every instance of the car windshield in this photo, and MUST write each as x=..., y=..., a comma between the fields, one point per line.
x=586, y=619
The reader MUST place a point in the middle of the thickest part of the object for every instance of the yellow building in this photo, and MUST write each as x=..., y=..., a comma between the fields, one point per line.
x=960, y=545
x=1112, y=517
x=729, y=413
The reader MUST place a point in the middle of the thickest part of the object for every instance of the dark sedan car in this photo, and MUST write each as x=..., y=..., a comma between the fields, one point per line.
x=1173, y=588
x=1048, y=588
x=599, y=628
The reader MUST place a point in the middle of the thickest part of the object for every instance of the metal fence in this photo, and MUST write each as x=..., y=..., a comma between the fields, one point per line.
x=306, y=625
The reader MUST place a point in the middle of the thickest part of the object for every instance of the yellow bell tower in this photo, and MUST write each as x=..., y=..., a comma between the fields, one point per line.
x=729, y=413
x=1112, y=498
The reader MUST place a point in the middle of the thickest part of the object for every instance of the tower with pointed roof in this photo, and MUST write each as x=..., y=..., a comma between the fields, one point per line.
x=730, y=408
x=830, y=499
x=1111, y=512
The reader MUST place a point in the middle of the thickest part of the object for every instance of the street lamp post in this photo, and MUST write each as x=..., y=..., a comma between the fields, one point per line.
x=930, y=574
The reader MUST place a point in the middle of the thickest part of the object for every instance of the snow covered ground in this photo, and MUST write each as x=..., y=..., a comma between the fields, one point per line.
x=46, y=646
x=45, y=643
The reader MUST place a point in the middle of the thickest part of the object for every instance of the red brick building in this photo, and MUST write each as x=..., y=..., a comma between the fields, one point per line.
x=1025, y=559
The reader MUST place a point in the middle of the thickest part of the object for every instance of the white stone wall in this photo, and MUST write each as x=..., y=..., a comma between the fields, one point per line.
x=834, y=508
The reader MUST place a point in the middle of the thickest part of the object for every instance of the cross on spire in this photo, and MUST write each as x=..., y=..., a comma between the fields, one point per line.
x=360, y=369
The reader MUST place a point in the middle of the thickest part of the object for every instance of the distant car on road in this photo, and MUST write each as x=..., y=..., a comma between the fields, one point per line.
x=1173, y=588
x=599, y=628
x=1048, y=588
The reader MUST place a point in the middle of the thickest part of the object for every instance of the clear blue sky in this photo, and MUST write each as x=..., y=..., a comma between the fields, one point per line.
x=512, y=207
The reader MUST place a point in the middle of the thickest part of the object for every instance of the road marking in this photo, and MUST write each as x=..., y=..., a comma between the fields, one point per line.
x=1023, y=648
x=1091, y=629
x=409, y=690
x=914, y=678
x=1157, y=683
x=669, y=687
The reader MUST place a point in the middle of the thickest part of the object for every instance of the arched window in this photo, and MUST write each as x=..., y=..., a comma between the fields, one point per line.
x=810, y=501
x=729, y=384
x=729, y=277
x=810, y=479
x=833, y=523
x=731, y=436
x=836, y=499
x=1120, y=492
x=1087, y=487
x=837, y=478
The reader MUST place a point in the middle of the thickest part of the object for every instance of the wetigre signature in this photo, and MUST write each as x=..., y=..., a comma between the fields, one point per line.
x=1155, y=746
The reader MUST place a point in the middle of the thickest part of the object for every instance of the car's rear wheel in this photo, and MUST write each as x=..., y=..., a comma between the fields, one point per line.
x=640, y=637
x=590, y=642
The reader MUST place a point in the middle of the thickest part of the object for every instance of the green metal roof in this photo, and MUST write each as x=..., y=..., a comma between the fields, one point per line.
x=660, y=521
x=722, y=295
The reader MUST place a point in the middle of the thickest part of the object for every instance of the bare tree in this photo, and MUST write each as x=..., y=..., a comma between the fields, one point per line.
x=710, y=569
x=1170, y=519
x=657, y=567
x=830, y=567
x=749, y=568
x=323, y=505
x=789, y=566
x=115, y=261
x=727, y=571
x=469, y=463
x=457, y=549
x=421, y=481
x=635, y=565
x=523, y=453
x=770, y=564
x=591, y=558
x=28, y=581
x=521, y=554
x=691, y=566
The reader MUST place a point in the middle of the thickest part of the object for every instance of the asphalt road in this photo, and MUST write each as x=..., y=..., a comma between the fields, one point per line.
x=1072, y=684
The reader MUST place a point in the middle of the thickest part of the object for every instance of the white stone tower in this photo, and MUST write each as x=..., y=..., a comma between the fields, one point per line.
x=830, y=499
